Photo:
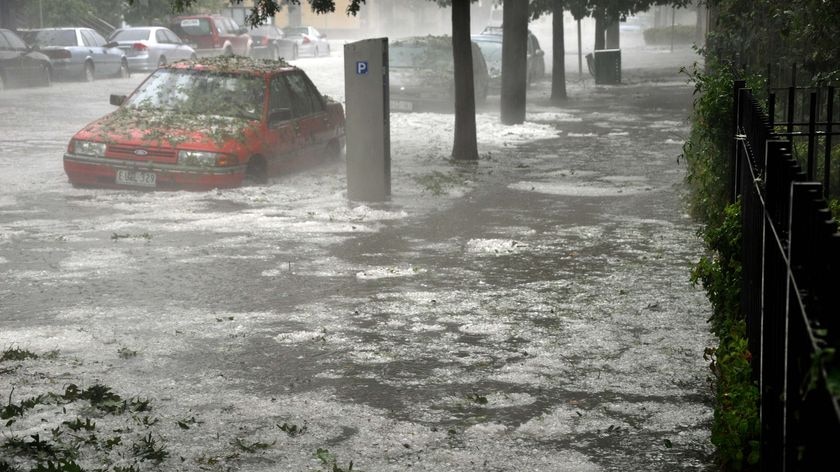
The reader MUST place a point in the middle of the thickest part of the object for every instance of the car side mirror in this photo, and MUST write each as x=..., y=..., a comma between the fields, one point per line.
x=278, y=116
x=117, y=100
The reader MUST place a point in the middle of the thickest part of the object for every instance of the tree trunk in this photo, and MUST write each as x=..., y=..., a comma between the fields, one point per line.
x=514, y=61
x=465, y=147
x=558, y=55
x=613, y=40
x=600, y=30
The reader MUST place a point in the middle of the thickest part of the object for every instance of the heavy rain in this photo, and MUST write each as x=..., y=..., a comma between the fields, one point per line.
x=232, y=308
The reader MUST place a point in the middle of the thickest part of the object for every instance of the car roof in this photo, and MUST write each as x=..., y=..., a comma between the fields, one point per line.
x=61, y=28
x=234, y=65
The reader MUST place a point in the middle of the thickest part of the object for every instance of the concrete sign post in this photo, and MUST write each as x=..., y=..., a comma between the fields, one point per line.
x=368, y=126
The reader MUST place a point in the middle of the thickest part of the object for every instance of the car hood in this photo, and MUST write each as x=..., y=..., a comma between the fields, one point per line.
x=155, y=128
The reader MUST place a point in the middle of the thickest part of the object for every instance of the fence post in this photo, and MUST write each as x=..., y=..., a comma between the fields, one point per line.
x=812, y=135
x=827, y=159
x=734, y=170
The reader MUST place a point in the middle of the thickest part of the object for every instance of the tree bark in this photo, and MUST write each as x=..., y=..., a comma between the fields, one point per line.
x=613, y=40
x=514, y=61
x=600, y=30
x=558, y=55
x=465, y=147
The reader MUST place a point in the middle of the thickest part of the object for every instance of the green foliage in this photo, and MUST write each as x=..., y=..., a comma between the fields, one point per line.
x=17, y=354
x=720, y=272
x=760, y=32
x=735, y=429
x=736, y=425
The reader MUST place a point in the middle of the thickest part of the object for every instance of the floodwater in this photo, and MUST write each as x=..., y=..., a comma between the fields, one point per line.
x=530, y=312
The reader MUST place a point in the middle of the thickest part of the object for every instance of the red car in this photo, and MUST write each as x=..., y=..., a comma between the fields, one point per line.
x=211, y=35
x=208, y=124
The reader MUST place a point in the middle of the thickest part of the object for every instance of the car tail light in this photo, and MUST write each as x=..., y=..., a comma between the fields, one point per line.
x=139, y=47
x=265, y=40
x=58, y=53
x=305, y=39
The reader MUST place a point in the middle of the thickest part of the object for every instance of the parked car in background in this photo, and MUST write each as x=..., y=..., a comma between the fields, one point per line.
x=490, y=42
x=79, y=53
x=269, y=42
x=422, y=73
x=212, y=35
x=150, y=47
x=20, y=64
x=309, y=40
x=208, y=124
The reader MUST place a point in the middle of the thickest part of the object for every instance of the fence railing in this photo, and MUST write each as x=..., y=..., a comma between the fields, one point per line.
x=806, y=116
x=790, y=294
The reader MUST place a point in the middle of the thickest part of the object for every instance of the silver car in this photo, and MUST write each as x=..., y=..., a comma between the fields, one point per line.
x=150, y=47
x=78, y=53
x=309, y=40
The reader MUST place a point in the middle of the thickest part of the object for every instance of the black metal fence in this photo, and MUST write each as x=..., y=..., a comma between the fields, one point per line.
x=806, y=115
x=790, y=294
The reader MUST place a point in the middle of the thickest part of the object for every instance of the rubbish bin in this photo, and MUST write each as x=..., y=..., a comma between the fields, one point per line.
x=607, y=66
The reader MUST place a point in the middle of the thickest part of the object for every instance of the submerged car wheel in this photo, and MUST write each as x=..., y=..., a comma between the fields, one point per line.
x=333, y=151
x=46, y=76
x=256, y=171
x=123, y=72
x=161, y=61
x=88, y=72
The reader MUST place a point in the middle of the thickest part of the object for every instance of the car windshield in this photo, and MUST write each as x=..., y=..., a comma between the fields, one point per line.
x=419, y=57
x=201, y=93
x=53, y=38
x=296, y=31
x=131, y=35
x=261, y=31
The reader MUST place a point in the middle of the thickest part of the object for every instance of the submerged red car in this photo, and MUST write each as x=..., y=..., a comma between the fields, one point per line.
x=207, y=124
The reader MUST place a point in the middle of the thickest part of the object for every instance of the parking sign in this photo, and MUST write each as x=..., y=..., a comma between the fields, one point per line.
x=361, y=67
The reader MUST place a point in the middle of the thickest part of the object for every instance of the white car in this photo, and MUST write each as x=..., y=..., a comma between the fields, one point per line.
x=309, y=40
x=150, y=47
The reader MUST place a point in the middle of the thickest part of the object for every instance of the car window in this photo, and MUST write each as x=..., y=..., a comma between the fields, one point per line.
x=419, y=55
x=87, y=39
x=314, y=32
x=131, y=35
x=160, y=36
x=305, y=99
x=171, y=37
x=233, y=25
x=55, y=38
x=4, y=43
x=299, y=31
x=280, y=98
x=14, y=41
x=193, y=27
x=97, y=38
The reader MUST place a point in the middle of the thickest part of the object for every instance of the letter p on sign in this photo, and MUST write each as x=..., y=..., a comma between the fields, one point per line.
x=361, y=67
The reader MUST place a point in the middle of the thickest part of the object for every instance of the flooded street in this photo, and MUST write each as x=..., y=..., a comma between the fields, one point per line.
x=530, y=312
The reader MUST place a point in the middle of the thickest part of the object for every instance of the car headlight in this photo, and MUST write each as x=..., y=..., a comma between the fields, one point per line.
x=89, y=148
x=206, y=159
x=197, y=158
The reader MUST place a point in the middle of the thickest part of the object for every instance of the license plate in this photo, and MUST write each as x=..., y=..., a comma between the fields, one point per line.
x=401, y=105
x=136, y=177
